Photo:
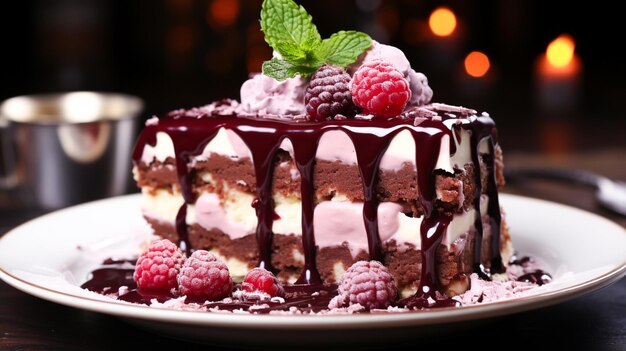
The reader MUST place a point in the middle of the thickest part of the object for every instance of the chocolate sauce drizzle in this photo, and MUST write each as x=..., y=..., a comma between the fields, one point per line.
x=305, y=162
x=371, y=138
x=263, y=154
x=115, y=274
x=536, y=276
x=369, y=153
x=483, y=130
x=493, y=210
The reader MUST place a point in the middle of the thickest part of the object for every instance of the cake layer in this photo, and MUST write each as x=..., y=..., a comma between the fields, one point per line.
x=333, y=146
x=336, y=222
x=241, y=255
x=454, y=193
x=330, y=180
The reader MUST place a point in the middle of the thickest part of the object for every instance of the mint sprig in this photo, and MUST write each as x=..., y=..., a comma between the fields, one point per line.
x=290, y=31
x=283, y=69
x=344, y=47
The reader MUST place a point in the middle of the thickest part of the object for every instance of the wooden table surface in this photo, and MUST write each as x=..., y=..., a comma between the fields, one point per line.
x=592, y=322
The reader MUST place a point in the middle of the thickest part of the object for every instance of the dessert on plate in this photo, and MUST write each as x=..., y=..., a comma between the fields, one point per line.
x=334, y=154
x=334, y=184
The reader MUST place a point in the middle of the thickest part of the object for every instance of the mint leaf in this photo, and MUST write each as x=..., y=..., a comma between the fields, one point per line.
x=288, y=28
x=298, y=56
x=290, y=31
x=344, y=47
x=282, y=69
x=291, y=52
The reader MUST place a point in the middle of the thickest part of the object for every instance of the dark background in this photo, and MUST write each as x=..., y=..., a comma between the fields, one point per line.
x=181, y=53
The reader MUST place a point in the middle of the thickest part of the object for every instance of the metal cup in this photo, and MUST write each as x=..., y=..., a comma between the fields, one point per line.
x=62, y=149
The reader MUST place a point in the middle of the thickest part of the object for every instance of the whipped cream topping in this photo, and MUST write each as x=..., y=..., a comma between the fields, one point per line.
x=264, y=95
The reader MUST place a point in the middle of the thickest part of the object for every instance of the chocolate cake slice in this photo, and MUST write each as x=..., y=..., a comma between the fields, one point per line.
x=418, y=192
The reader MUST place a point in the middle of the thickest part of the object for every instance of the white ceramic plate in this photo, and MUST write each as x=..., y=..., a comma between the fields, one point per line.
x=49, y=257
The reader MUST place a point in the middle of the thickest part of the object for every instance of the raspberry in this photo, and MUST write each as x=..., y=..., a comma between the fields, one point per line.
x=204, y=276
x=328, y=94
x=260, y=279
x=159, y=265
x=369, y=284
x=380, y=89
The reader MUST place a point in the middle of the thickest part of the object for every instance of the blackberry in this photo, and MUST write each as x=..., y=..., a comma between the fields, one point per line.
x=328, y=94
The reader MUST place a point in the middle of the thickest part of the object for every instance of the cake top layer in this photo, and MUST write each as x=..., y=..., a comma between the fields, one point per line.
x=220, y=127
x=411, y=115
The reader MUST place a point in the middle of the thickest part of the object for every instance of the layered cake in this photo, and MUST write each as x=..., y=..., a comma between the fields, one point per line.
x=326, y=162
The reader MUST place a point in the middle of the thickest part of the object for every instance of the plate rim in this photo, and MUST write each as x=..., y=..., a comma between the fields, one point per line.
x=356, y=321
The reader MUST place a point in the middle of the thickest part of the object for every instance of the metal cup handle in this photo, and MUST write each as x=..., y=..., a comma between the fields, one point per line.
x=8, y=173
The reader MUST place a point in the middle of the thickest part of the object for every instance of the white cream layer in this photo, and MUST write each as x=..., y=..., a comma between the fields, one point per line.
x=334, y=145
x=161, y=205
x=335, y=222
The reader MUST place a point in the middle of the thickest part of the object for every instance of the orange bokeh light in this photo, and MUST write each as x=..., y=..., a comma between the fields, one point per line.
x=223, y=13
x=560, y=52
x=477, y=64
x=442, y=22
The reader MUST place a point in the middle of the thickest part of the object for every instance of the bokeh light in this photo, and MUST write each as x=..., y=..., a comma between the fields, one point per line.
x=442, y=22
x=560, y=51
x=223, y=13
x=477, y=64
